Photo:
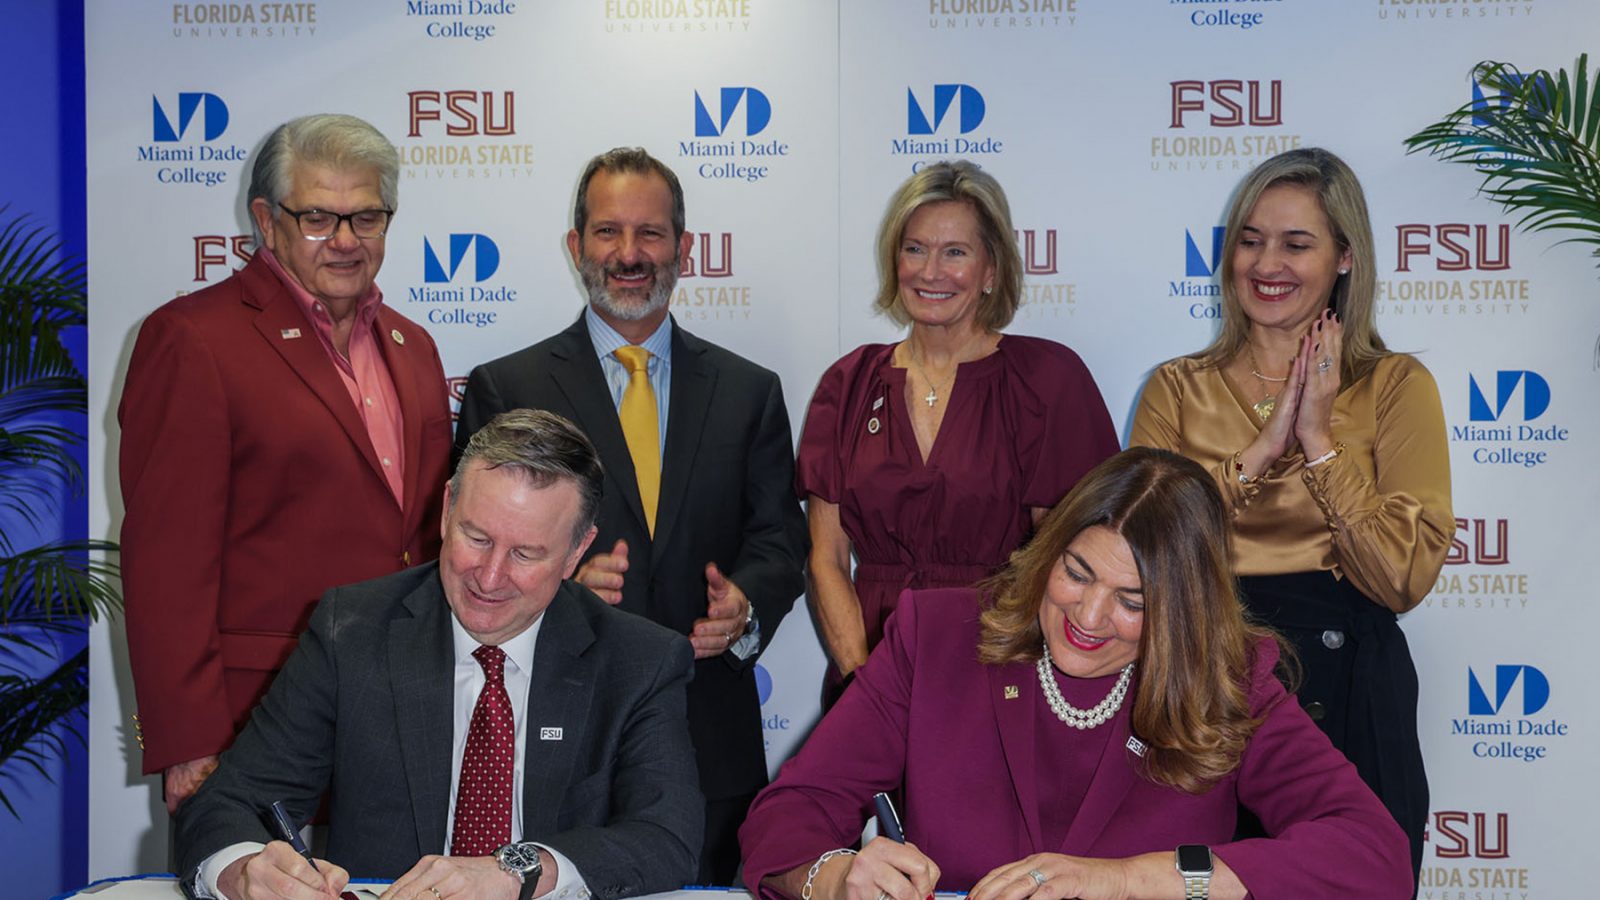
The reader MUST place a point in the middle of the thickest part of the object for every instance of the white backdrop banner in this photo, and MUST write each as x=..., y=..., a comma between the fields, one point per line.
x=1119, y=130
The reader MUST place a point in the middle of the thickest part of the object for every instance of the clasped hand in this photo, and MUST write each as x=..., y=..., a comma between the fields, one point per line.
x=1303, y=413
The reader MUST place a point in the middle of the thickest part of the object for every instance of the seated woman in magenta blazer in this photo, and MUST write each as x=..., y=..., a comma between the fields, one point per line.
x=1101, y=702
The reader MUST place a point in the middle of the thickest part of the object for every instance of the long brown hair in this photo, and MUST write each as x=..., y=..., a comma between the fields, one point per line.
x=1192, y=703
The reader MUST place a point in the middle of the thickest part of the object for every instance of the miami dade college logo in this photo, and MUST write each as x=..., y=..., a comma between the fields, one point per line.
x=449, y=299
x=213, y=112
x=951, y=109
x=966, y=97
x=757, y=111
x=484, y=262
x=1535, y=396
x=182, y=136
x=1519, y=397
x=1535, y=691
x=731, y=156
x=1500, y=715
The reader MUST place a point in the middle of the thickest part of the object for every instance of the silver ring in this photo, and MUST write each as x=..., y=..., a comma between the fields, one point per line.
x=728, y=637
x=436, y=893
x=883, y=895
x=1325, y=364
x=1038, y=877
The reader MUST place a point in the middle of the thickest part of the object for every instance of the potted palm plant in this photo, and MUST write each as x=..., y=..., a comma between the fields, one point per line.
x=1535, y=139
x=49, y=590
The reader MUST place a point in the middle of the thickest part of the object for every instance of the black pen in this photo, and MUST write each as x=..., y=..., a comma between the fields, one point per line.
x=286, y=830
x=888, y=819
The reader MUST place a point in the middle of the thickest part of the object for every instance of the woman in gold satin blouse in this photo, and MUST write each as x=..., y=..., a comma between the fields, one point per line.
x=1332, y=452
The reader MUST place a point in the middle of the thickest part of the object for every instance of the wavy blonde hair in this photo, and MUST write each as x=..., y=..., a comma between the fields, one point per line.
x=960, y=182
x=1196, y=649
x=1339, y=194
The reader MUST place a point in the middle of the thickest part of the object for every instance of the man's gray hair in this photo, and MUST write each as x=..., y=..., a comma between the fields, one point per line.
x=337, y=141
x=544, y=448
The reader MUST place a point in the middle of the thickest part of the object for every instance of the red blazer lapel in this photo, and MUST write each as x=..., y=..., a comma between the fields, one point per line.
x=405, y=369
x=285, y=328
x=1014, y=720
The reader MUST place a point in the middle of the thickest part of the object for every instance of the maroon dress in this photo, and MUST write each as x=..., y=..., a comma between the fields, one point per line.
x=1023, y=425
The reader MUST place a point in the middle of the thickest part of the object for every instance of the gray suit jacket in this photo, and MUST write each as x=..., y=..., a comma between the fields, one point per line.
x=727, y=496
x=362, y=710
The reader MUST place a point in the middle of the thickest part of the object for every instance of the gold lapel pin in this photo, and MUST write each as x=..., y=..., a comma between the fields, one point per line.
x=873, y=425
x=1011, y=692
x=398, y=337
x=290, y=334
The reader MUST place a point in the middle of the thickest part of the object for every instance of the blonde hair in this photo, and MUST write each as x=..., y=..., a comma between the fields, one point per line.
x=961, y=182
x=1340, y=197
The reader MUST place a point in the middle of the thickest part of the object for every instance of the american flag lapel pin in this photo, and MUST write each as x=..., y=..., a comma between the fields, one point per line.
x=289, y=334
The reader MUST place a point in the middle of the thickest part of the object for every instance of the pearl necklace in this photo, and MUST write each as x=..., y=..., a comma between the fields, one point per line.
x=1081, y=719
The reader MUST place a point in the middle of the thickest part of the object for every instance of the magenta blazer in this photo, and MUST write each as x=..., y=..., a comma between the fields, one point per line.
x=923, y=709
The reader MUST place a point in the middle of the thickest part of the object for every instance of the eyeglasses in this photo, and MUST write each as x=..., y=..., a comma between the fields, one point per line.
x=317, y=225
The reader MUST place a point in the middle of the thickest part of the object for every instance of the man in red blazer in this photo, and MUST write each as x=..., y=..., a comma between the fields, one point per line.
x=282, y=432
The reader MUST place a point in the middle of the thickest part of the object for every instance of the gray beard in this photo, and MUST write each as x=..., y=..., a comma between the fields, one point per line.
x=594, y=281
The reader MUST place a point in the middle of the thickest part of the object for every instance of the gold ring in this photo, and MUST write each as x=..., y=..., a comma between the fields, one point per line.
x=436, y=893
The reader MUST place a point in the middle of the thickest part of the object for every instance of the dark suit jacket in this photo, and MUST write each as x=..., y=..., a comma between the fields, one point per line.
x=725, y=497
x=251, y=487
x=363, y=708
x=925, y=709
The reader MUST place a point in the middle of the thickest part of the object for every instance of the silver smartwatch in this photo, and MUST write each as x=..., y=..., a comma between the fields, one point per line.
x=1194, y=864
x=522, y=860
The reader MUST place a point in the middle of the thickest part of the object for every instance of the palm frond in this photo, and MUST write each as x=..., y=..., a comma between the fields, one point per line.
x=37, y=716
x=51, y=590
x=57, y=585
x=1535, y=139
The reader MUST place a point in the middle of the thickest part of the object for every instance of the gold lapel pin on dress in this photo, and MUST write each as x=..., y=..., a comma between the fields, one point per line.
x=1011, y=692
x=398, y=337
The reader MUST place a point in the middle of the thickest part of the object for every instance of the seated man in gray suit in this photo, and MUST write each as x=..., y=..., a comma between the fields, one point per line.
x=482, y=708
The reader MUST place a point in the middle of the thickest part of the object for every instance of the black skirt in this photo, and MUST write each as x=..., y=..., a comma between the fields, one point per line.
x=1357, y=683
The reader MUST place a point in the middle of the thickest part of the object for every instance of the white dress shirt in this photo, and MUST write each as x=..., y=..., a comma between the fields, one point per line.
x=469, y=680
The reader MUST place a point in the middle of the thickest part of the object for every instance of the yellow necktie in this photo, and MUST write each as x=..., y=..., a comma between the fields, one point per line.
x=641, y=428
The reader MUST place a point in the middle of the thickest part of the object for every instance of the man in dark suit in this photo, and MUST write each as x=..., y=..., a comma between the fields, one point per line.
x=282, y=432
x=699, y=529
x=568, y=767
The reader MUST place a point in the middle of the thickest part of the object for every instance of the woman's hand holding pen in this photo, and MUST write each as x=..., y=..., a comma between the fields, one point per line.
x=883, y=869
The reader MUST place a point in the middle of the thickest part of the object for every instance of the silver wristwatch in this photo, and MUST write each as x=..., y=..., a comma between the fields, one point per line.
x=522, y=860
x=1194, y=864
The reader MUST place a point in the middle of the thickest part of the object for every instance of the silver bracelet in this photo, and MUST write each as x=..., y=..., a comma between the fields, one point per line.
x=805, y=892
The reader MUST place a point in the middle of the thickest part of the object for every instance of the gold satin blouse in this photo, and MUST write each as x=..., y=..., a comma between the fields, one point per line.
x=1378, y=514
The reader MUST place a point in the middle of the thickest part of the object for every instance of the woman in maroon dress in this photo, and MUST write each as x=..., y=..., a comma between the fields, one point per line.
x=930, y=459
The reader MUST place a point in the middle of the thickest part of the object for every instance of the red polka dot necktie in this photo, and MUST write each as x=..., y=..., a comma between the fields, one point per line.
x=483, y=795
